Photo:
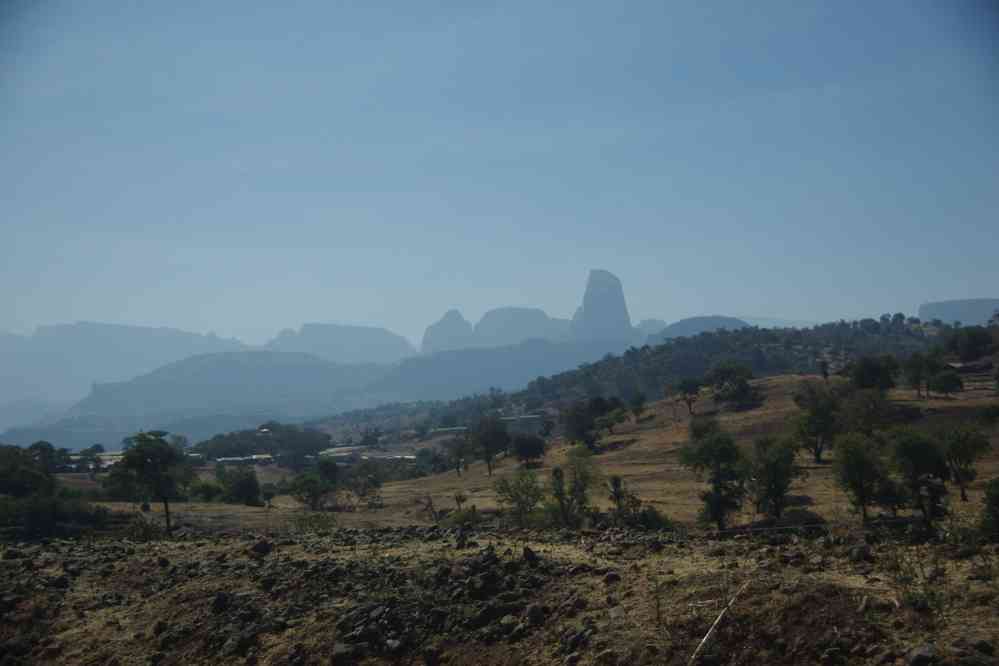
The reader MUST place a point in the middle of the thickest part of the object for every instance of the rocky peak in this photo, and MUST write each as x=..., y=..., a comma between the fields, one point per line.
x=604, y=313
x=452, y=331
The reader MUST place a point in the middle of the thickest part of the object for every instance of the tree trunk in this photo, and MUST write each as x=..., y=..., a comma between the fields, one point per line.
x=863, y=513
x=964, y=493
x=489, y=466
x=166, y=512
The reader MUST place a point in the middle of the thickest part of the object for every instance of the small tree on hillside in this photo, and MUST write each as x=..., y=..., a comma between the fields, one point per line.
x=158, y=467
x=579, y=424
x=702, y=426
x=859, y=470
x=491, y=439
x=819, y=422
x=311, y=490
x=717, y=457
x=242, y=486
x=521, y=494
x=528, y=448
x=914, y=370
x=570, y=486
x=870, y=372
x=923, y=467
x=638, y=406
x=990, y=512
x=689, y=390
x=772, y=470
x=963, y=446
x=946, y=382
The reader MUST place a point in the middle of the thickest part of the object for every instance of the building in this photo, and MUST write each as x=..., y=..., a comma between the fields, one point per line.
x=529, y=424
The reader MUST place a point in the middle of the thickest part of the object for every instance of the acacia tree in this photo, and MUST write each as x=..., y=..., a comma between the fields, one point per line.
x=570, y=486
x=528, y=448
x=819, y=422
x=914, y=370
x=771, y=471
x=157, y=467
x=717, y=456
x=962, y=447
x=689, y=390
x=923, y=467
x=859, y=470
x=521, y=493
x=491, y=439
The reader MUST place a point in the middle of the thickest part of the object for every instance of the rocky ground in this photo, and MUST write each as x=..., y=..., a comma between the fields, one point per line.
x=427, y=595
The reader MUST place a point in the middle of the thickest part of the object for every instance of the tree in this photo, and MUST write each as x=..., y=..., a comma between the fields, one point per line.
x=311, y=490
x=702, y=426
x=963, y=446
x=579, y=424
x=870, y=372
x=528, y=448
x=946, y=382
x=914, y=369
x=157, y=467
x=689, y=390
x=491, y=439
x=328, y=470
x=521, y=494
x=718, y=457
x=824, y=369
x=819, y=423
x=458, y=451
x=570, y=486
x=923, y=467
x=970, y=342
x=48, y=457
x=772, y=470
x=637, y=406
x=242, y=486
x=268, y=492
x=859, y=470
x=22, y=475
x=865, y=411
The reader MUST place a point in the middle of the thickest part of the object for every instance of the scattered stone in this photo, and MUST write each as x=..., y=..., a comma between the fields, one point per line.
x=984, y=647
x=922, y=655
x=535, y=615
x=530, y=556
x=606, y=658
x=861, y=553
x=612, y=577
x=262, y=548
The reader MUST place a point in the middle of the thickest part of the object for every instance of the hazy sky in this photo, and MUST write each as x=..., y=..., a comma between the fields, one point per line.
x=248, y=166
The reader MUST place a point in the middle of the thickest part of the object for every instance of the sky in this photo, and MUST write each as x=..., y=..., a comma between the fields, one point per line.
x=244, y=167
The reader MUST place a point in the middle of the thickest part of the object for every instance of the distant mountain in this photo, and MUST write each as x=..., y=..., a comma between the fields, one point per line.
x=972, y=311
x=772, y=322
x=452, y=331
x=61, y=362
x=648, y=327
x=341, y=343
x=696, y=325
x=604, y=313
x=455, y=373
x=201, y=395
x=30, y=411
x=512, y=325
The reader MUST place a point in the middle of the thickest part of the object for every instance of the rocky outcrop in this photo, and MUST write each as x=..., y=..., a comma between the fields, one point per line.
x=511, y=325
x=342, y=343
x=452, y=331
x=604, y=313
x=972, y=311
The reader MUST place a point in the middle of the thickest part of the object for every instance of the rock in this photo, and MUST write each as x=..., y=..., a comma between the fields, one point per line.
x=572, y=659
x=530, y=556
x=861, y=553
x=612, y=577
x=605, y=658
x=984, y=647
x=346, y=653
x=922, y=655
x=535, y=615
x=262, y=547
x=162, y=562
x=13, y=554
x=512, y=325
x=221, y=602
x=616, y=614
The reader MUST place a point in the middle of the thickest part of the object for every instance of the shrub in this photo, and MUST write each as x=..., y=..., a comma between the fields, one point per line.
x=990, y=512
x=205, y=491
x=923, y=468
x=41, y=515
x=312, y=522
x=570, y=487
x=521, y=494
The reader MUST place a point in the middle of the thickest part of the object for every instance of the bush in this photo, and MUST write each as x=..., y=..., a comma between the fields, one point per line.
x=205, y=491
x=42, y=515
x=528, y=448
x=772, y=470
x=946, y=382
x=720, y=459
x=521, y=494
x=990, y=512
x=463, y=518
x=860, y=471
x=313, y=522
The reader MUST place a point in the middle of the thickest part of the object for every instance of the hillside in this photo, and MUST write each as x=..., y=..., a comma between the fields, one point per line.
x=696, y=326
x=203, y=395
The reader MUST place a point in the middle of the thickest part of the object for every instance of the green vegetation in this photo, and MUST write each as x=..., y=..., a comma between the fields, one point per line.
x=771, y=471
x=716, y=456
x=157, y=467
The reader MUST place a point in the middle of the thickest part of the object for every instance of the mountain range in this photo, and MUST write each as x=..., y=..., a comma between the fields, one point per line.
x=77, y=384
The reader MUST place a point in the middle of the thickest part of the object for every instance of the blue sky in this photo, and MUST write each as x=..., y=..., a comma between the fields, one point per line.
x=242, y=167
